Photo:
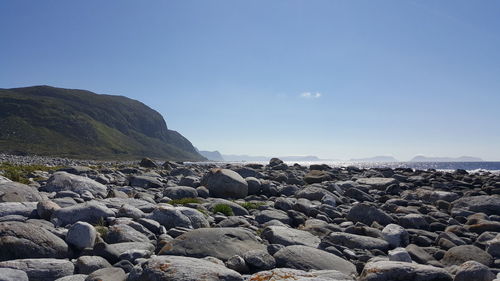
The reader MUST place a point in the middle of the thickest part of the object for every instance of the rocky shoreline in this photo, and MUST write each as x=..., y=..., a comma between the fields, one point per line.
x=95, y=220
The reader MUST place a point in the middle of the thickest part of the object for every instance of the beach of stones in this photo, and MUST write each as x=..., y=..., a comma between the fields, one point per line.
x=148, y=220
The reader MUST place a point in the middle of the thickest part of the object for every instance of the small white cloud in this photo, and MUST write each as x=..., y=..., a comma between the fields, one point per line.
x=309, y=95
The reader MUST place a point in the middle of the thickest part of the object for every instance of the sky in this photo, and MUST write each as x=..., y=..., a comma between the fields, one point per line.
x=338, y=79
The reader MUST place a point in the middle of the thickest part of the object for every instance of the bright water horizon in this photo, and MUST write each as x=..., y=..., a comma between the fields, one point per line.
x=492, y=166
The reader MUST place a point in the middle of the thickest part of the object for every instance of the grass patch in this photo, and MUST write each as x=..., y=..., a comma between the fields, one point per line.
x=185, y=201
x=224, y=209
x=252, y=205
x=19, y=173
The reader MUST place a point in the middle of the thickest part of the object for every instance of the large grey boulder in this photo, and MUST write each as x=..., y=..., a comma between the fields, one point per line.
x=81, y=235
x=396, y=235
x=9, y=274
x=61, y=181
x=46, y=208
x=18, y=192
x=460, y=254
x=368, y=214
x=289, y=274
x=224, y=183
x=91, y=212
x=182, y=268
x=377, y=183
x=313, y=193
x=355, y=241
x=307, y=258
x=221, y=243
x=140, y=204
x=488, y=204
x=145, y=182
x=289, y=236
x=392, y=270
x=26, y=209
x=179, y=192
x=272, y=214
x=171, y=217
x=124, y=233
x=89, y=264
x=76, y=277
x=237, y=209
x=20, y=240
x=472, y=270
x=41, y=269
x=108, y=274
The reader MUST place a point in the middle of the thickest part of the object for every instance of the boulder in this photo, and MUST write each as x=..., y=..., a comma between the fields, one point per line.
x=91, y=212
x=108, y=274
x=124, y=233
x=377, y=183
x=179, y=192
x=317, y=176
x=488, y=204
x=259, y=259
x=20, y=240
x=221, y=243
x=313, y=193
x=145, y=182
x=392, y=270
x=81, y=235
x=272, y=214
x=224, y=183
x=61, y=181
x=308, y=258
x=396, y=235
x=355, y=241
x=18, y=192
x=473, y=270
x=9, y=274
x=41, y=269
x=46, y=208
x=460, y=254
x=182, y=268
x=289, y=236
x=289, y=274
x=171, y=217
x=76, y=277
x=368, y=214
x=89, y=264
x=26, y=209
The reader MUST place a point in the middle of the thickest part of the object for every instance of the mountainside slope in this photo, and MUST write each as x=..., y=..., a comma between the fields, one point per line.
x=52, y=121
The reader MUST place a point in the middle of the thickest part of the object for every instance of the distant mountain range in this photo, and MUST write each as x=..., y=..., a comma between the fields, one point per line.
x=51, y=121
x=421, y=158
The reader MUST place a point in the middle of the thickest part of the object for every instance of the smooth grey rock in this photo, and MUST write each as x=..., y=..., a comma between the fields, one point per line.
x=289, y=274
x=129, y=211
x=81, y=235
x=26, y=209
x=472, y=270
x=145, y=182
x=376, y=182
x=124, y=233
x=259, y=259
x=46, y=208
x=121, y=248
x=76, y=277
x=355, y=241
x=140, y=204
x=171, y=217
x=18, y=192
x=289, y=236
x=313, y=193
x=396, y=235
x=494, y=247
x=368, y=214
x=237, y=209
x=108, y=274
x=488, y=204
x=392, y=270
x=41, y=269
x=399, y=254
x=460, y=254
x=237, y=264
x=4, y=179
x=61, y=181
x=179, y=192
x=9, y=274
x=417, y=221
x=221, y=243
x=89, y=264
x=183, y=268
x=91, y=212
x=269, y=215
x=224, y=183
x=20, y=240
x=307, y=258
x=254, y=185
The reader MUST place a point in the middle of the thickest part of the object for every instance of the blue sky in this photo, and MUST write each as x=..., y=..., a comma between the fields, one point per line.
x=337, y=79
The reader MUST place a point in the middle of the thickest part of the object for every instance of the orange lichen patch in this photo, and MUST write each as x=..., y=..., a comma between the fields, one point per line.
x=164, y=266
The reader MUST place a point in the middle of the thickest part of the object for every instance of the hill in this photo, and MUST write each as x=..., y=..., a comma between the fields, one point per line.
x=421, y=158
x=212, y=155
x=51, y=121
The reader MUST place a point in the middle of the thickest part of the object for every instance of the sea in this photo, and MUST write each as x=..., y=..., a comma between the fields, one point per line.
x=484, y=166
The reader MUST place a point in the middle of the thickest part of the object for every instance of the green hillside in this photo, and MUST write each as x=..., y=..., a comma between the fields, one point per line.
x=44, y=120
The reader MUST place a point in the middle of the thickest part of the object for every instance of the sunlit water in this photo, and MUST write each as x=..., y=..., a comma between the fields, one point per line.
x=445, y=166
